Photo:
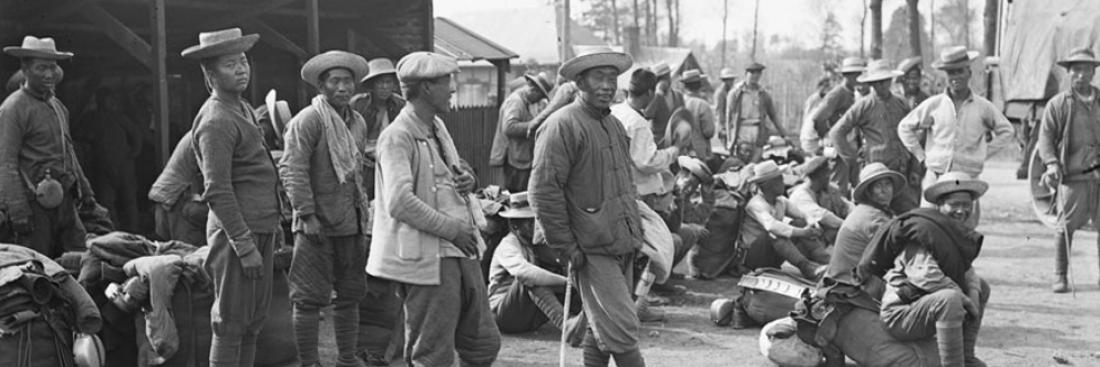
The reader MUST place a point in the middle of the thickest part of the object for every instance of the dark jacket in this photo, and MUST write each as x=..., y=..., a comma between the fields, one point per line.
x=582, y=187
x=660, y=111
x=952, y=245
x=310, y=179
x=362, y=103
x=835, y=104
x=180, y=175
x=733, y=111
x=1055, y=130
x=510, y=143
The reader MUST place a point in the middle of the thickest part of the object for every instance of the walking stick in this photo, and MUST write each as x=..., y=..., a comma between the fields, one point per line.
x=565, y=313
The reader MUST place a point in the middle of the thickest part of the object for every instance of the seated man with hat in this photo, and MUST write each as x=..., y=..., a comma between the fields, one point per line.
x=877, y=187
x=42, y=184
x=512, y=149
x=822, y=201
x=525, y=279
x=770, y=240
x=926, y=257
x=322, y=170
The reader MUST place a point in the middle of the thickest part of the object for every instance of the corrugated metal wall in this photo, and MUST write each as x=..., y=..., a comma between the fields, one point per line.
x=472, y=128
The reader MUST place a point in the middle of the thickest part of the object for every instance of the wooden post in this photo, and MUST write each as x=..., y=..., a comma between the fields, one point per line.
x=313, y=47
x=914, y=27
x=990, y=20
x=876, y=29
x=160, y=73
x=563, y=36
x=502, y=84
x=725, y=18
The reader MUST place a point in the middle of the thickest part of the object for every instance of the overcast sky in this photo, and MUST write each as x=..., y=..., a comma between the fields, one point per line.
x=800, y=20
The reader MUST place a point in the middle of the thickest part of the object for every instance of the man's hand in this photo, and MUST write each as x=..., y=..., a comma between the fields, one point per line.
x=572, y=256
x=467, y=240
x=1053, y=174
x=808, y=231
x=252, y=265
x=464, y=183
x=533, y=127
x=311, y=225
x=970, y=303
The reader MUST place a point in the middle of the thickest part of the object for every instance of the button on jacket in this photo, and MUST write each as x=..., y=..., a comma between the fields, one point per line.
x=310, y=178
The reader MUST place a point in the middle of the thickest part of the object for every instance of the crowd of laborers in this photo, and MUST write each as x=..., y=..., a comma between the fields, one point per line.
x=607, y=189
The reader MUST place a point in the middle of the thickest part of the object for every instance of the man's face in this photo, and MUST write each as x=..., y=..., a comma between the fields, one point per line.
x=522, y=227
x=773, y=187
x=911, y=80
x=598, y=85
x=438, y=92
x=957, y=205
x=862, y=89
x=1080, y=74
x=958, y=80
x=728, y=82
x=882, y=88
x=338, y=86
x=819, y=178
x=42, y=75
x=850, y=78
x=881, y=192
x=664, y=82
x=382, y=87
x=230, y=73
x=753, y=77
x=536, y=93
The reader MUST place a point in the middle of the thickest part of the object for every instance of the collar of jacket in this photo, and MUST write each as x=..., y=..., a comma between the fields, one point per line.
x=421, y=129
x=596, y=112
x=39, y=96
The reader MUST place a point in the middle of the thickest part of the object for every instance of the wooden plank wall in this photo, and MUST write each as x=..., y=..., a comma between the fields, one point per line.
x=473, y=128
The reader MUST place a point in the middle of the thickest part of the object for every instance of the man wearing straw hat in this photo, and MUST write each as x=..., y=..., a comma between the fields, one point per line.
x=926, y=258
x=770, y=240
x=822, y=201
x=877, y=187
x=829, y=111
x=957, y=124
x=1069, y=145
x=875, y=120
x=41, y=182
x=584, y=198
x=512, y=148
x=910, y=80
x=748, y=107
x=701, y=112
x=322, y=170
x=728, y=77
x=424, y=237
x=807, y=136
x=241, y=190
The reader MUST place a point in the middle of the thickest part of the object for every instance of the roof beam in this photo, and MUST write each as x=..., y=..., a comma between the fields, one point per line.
x=122, y=35
x=273, y=37
x=66, y=10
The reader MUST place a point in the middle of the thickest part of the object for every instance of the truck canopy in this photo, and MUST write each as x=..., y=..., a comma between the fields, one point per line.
x=1037, y=34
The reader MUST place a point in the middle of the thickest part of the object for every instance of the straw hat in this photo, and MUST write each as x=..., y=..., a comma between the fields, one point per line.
x=317, y=65
x=277, y=111
x=954, y=182
x=727, y=74
x=878, y=70
x=661, y=69
x=220, y=42
x=519, y=207
x=956, y=57
x=573, y=67
x=755, y=66
x=766, y=170
x=1081, y=55
x=378, y=67
x=541, y=81
x=693, y=75
x=696, y=167
x=909, y=64
x=873, y=172
x=39, y=48
x=852, y=65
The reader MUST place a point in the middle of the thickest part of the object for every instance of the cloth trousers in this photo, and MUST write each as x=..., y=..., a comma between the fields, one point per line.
x=379, y=316
x=1078, y=203
x=240, y=304
x=172, y=224
x=604, y=284
x=321, y=265
x=768, y=252
x=917, y=320
x=450, y=317
x=845, y=175
x=930, y=178
x=714, y=254
x=516, y=179
x=56, y=230
x=518, y=312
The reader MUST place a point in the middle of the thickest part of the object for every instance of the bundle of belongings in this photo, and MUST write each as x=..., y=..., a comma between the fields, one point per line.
x=41, y=309
x=167, y=284
x=767, y=294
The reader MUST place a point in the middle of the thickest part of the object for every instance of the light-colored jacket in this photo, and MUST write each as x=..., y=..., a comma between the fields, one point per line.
x=957, y=138
x=418, y=211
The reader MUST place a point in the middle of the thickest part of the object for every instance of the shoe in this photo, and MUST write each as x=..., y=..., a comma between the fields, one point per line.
x=812, y=270
x=1060, y=285
x=373, y=359
x=647, y=314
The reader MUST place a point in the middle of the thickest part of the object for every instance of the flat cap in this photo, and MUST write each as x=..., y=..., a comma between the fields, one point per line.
x=425, y=65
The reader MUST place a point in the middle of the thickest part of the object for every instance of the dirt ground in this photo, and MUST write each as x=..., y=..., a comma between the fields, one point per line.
x=1025, y=324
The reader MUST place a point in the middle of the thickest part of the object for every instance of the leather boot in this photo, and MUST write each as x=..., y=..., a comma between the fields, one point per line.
x=970, y=340
x=949, y=339
x=1061, y=262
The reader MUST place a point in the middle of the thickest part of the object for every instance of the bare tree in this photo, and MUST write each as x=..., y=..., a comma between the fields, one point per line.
x=673, y=8
x=615, y=23
x=955, y=17
x=863, y=31
x=876, y=29
x=990, y=18
x=914, y=27
x=830, y=36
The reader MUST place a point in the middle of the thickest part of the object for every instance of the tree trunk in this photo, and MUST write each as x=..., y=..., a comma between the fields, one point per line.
x=876, y=29
x=914, y=27
x=636, y=24
x=725, y=17
x=618, y=37
x=991, y=24
x=671, y=22
x=967, y=17
x=863, y=32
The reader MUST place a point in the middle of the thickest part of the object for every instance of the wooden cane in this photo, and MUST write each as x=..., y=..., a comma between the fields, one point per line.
x=565, y=313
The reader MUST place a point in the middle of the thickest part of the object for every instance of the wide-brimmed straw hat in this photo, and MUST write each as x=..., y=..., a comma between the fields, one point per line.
x=878, y=70
x=956, y=57
x=689, y=76
x=220, y=42
x=696, y=167
x=755, y=66
x=378, y=67
x=39, y=48
x=1081, y=55
x=954, y=182
x=661, y=69
x=727, y=74
x=766, y=170
x=317, y=65
x=277, y=111
x=573, y=67
x=540, y=81
x=852, y=65
x=874, y=172
x=909, y=64
x=519, y=207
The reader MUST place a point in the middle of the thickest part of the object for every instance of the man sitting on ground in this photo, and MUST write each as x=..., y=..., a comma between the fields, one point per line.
x=524, y=278
x=820, y=200
x=770, y=239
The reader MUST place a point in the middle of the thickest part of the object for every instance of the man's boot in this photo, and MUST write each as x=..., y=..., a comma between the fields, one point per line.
x=646, y=314
x=1061, y=262
x=345, y=325
x=949, y=339
x=306, y=321
x=970, y=340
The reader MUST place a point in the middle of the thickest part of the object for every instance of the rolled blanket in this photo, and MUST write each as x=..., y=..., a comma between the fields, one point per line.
x=658, y=243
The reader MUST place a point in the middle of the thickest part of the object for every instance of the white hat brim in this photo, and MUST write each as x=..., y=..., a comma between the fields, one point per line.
x=618, y=60
x=313, y=68
x=933, y=193
x=227, y=47
x=21, y=52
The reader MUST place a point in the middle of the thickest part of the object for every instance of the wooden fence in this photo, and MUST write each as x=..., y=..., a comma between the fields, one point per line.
x=473, y=128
